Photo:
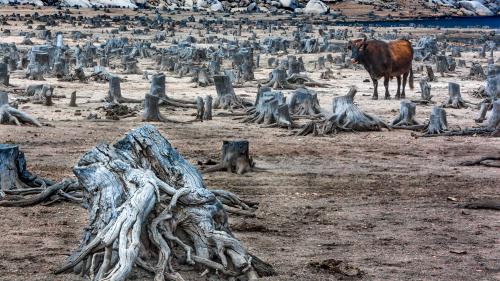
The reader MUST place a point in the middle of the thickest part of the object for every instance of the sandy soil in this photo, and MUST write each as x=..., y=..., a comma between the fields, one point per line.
x=377, y=200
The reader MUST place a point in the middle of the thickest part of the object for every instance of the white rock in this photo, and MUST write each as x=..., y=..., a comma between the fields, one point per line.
x=292, y=4
x=26, y=2
x=476, y=7
x=316, y=7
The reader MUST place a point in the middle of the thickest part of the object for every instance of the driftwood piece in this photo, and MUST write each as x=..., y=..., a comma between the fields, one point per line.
x=147, y=205
x=235, y=158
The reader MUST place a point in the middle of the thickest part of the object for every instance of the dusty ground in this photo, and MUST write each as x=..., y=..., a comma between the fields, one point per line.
x=377, y=200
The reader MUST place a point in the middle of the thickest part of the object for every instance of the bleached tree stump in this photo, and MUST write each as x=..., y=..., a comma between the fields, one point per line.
x=72, y=101
x=148, y=206
x=20, y=188
x=235, y=158
x=201, y=77
x=430, y=73
x=278, y=79
x=476, y=71
x=425, y=89
x=437, y=122
x=455, y=99
x=270, y=109
x=303, y=102
x=200, y=109
x=226, y=97
x=406, y=118
x=494, y=119
x=483, y=109
x=4, y=74
x=207, y=115
x=12, y=116
x=152, y=109
x=346, y=117
x=441, y=65
x=115, y=92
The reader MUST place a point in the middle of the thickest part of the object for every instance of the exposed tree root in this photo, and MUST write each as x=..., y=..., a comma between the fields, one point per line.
x=484, y=161
x=146, y=205
x=484, y=204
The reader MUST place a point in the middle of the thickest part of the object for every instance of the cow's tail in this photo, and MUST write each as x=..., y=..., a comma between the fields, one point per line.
x=411, y=79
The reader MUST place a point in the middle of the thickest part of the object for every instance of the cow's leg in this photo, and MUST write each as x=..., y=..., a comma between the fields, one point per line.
x=398, y=93
x=375, y=91
x=405, y=77
x=386, y=85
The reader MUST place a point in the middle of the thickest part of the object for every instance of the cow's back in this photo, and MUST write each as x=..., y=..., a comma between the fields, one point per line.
x=401, y=56
x=377, y=58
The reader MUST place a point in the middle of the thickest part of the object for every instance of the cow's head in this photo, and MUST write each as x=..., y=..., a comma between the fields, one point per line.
x=357, y=48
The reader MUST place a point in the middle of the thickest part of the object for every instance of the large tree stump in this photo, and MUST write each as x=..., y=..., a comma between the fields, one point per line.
x=346, y=117
x=235, y=158
x=226, y=98
x=115, y=92
x=19, y=187
x=4, y=74
x=270, y=109
x=149, y=207
x=455, y=99
x=278, y=79
x=437, y=122
x=12, y=116
x=207, y=114
x=406, y=118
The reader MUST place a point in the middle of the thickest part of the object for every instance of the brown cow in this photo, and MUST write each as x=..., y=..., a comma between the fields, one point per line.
x=386, y=60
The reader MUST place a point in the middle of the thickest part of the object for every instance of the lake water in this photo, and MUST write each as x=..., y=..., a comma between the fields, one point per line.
x=448, y=22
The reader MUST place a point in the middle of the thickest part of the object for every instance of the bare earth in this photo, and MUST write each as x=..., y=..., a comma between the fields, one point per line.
x=377, y=200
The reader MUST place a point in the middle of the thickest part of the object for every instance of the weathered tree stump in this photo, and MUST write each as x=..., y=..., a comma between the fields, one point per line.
x=157, y=87
x=12, y=116
x=235, y=158
x=483, y=109
x=494, y=119
x=200, y=109
x=19, y=187
x=226, y=98
x=425, y=89
x=442, y=65
x=115, y=92
x=152, y=109
x=406, y=118
x=455, y=99
x=346, y=117
x=201, y=77
x=147, y=204
x=437, y=122
x=303, y=102
x=430, y=73
x=4, y=74
x=476, y=71
x=207, y=114
x=278, y=79
x=270, y=109
x=72, y=101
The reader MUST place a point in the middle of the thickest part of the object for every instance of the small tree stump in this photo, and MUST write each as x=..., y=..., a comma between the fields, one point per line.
x=278, y=79
x=455, y=100
x=406, y=118
x=72, y=101
x=483, y=109
x=152, y=109
x=430, y=73
x=425, y=89
x=115, y=92
x=200, y=109
x=235, y=158
x=4, y=74
x=477, y=72
x=494, y=119
x=437, y=122
x=226, y=98
x=442, y=65
x=207, y=114
x=12, y=116
x=303, y=102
